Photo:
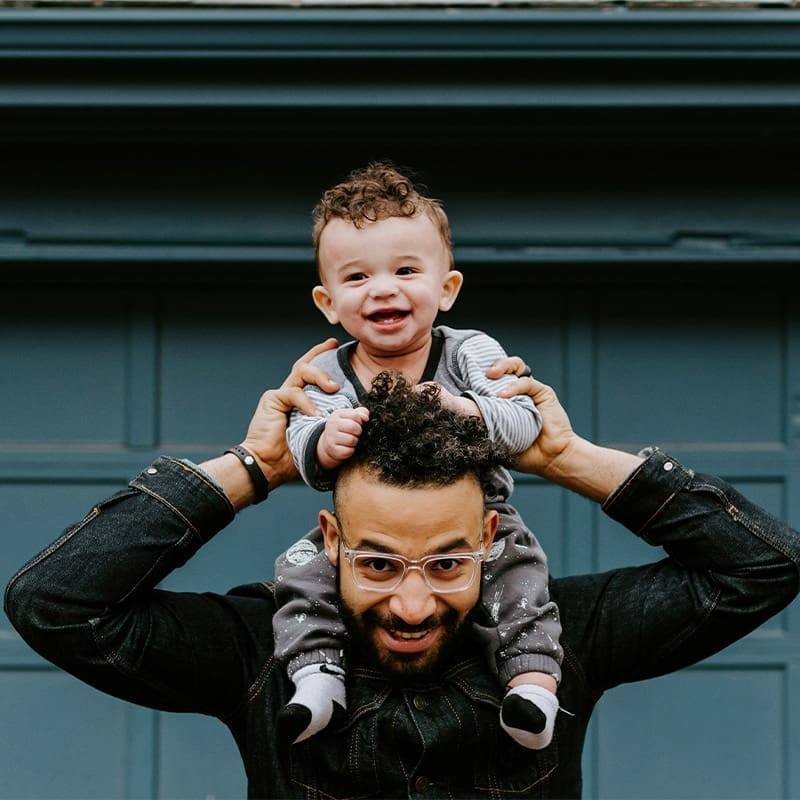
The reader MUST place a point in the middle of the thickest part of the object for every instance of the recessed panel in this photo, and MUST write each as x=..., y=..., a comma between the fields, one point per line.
x=695, y=366
x=541, y=508
x=198, y=758
x=221, y=350
x=710, y=733
x=62, y=357
x=526, y=320
x=60, y=739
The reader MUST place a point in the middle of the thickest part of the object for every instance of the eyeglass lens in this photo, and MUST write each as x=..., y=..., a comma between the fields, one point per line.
x=442, y=573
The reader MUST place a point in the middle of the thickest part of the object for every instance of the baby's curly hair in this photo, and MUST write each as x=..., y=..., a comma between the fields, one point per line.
x=376, y=192
x=412, y=440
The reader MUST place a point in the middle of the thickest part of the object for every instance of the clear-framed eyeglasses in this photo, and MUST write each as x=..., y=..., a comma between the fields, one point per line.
x=384, y=572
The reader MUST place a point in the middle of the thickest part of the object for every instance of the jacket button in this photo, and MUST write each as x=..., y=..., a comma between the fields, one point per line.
x=421, y=784
x=420, y=702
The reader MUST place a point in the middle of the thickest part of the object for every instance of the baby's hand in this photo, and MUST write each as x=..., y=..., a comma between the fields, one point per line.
x=461, y=405
x=340, y=437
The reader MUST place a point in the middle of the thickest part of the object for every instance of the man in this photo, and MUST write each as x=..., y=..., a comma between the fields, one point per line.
x=422, y=715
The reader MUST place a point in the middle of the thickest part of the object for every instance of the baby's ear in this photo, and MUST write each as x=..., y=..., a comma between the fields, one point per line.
x=451, y=286
x=323, y=301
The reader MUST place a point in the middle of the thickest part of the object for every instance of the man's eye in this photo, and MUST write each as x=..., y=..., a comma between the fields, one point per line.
x=382, y=565
x=445, y=565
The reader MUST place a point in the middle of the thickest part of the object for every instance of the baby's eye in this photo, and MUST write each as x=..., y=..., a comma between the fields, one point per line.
x=354, y=277
x=406, y=270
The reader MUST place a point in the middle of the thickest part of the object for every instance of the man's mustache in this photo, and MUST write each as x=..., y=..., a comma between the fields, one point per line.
x=394, y=623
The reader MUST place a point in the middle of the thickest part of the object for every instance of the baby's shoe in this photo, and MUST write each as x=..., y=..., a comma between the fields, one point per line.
x=528, y=715
x=319, y=698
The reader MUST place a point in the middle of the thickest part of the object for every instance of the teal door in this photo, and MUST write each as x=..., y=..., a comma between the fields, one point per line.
x=93, y=394
x=623, y=192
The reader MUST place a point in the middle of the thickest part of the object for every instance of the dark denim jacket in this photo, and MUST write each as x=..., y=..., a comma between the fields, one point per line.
x=87, y=603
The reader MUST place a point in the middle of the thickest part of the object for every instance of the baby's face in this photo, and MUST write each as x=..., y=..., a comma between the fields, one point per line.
x=385, y=282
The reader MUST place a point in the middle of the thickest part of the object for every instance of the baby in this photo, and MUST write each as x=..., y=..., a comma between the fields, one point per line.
x=386, y=270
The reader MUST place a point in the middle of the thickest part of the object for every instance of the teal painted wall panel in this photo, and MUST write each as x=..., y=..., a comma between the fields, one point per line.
x=682, y=751
x=197, y=758
x=610, y=178
x=543, y=510
x=62, y=355
x=60, y=739
x=190, y=380
x=671, y=370
x=233, y=343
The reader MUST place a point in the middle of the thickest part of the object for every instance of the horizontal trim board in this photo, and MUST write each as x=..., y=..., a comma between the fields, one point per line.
x=442, y=33
x=62, y=465
x=165, y=254
x=50, y=95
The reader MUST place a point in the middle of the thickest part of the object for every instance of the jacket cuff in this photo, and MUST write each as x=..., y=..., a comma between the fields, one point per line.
x=646, y=491
x=189, y=493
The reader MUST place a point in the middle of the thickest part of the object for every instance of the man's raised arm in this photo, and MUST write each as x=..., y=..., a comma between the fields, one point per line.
x=89, y=602
x=561, y=456
x=266, y=434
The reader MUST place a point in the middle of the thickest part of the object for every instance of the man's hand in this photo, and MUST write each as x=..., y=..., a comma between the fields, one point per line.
x=340, y=437
x=559, y=455
x=556, y=435
x=266, y=434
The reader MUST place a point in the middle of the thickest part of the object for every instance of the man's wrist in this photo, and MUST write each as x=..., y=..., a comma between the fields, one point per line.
x=257, y=477
x=591, y=470
x=229, y=474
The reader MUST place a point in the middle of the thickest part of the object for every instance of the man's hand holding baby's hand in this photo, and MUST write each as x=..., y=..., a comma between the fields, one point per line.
x=340, y=437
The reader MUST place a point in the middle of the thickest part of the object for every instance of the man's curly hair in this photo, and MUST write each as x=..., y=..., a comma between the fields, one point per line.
x=376, y=192
x=412, y=440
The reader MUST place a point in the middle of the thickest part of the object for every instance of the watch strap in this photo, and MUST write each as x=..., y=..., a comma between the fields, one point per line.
x=259, y=479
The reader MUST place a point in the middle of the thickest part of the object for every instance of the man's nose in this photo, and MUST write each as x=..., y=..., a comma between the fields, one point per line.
x=412, y=600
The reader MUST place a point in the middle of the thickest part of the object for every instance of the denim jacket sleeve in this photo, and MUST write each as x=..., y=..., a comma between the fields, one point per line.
x=730, y=566
x=88, y=602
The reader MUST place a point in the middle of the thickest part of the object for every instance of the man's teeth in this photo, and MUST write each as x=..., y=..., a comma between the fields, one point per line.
x=406, y=635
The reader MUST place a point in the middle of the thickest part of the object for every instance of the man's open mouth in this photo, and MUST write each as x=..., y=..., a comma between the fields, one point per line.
x=408, y=635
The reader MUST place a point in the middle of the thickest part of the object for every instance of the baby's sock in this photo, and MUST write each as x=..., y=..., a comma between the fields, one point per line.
x=319, y=697
x=528, y=715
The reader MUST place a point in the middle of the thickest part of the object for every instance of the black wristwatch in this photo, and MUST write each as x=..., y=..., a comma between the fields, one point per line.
x=260, y=482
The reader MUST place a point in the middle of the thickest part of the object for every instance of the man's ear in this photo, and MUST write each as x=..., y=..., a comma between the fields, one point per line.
x=490, y=521
x=329, y=526
x=451, y=286
x=322, y=300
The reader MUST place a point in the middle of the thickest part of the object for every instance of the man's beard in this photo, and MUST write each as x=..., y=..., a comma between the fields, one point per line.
x=404, y=667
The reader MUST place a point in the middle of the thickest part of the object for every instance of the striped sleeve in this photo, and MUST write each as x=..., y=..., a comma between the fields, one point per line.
x=515, y=422
x=303, y=434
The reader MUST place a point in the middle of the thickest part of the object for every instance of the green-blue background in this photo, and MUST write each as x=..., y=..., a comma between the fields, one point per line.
x=623, y=192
